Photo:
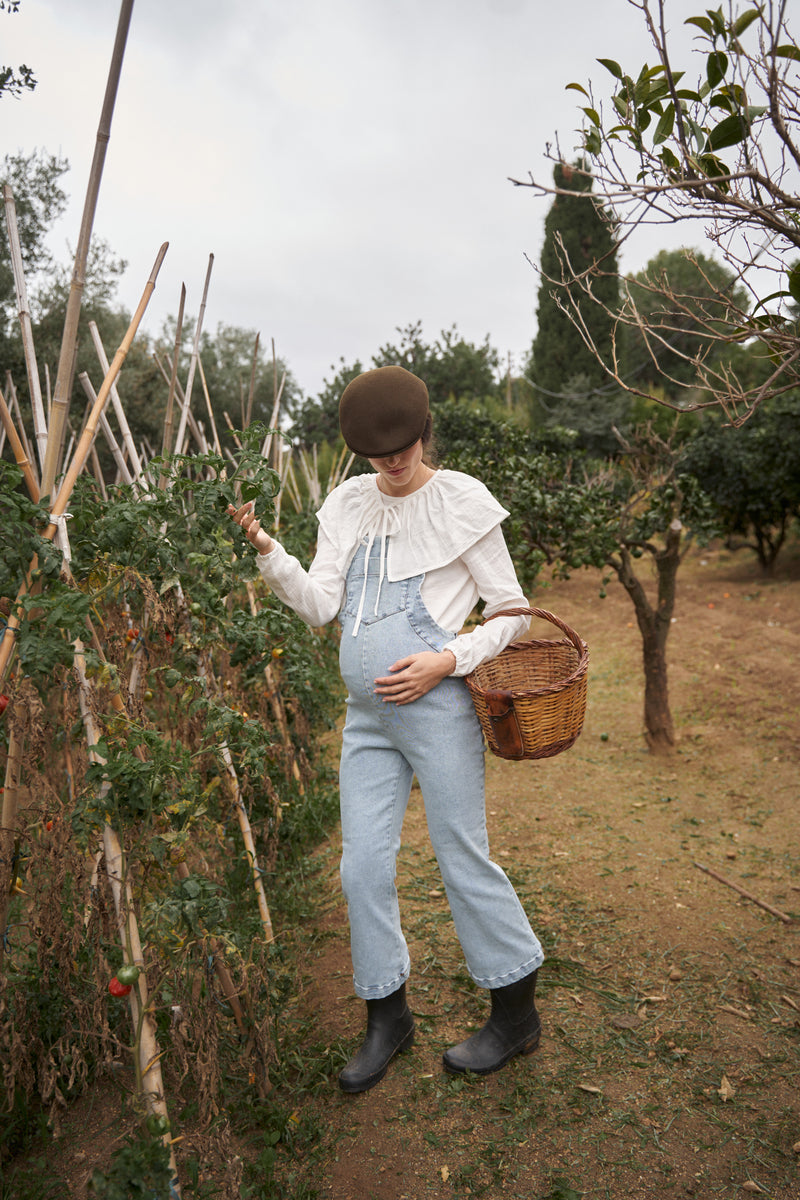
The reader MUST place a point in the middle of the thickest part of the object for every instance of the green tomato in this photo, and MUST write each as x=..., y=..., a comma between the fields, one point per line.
x=171, y=677
x=157, y=1124
x=128, y=974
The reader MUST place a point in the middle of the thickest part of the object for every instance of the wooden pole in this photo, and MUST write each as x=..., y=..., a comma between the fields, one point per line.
x=122, y=420
x=14, y=406
x=251, y=394
x=34, y=384
x=166, y=442
x=187, y=398
x=108, y=433
x=194, y=428
x=217, y=445
x=66, y=361
x=20, y=456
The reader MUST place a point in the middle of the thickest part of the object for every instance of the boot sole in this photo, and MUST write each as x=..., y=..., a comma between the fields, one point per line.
x=364, y=1085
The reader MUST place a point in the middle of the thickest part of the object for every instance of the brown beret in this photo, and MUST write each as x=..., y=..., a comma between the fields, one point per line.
x=383, y=412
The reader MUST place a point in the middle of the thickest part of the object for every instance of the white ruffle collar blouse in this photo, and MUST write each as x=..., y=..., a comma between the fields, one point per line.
x=427, y=529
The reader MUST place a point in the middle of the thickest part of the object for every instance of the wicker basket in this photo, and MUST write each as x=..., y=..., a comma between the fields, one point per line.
x=531, y=698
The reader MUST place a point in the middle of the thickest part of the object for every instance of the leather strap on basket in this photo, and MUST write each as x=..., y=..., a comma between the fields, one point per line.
x=505, y=727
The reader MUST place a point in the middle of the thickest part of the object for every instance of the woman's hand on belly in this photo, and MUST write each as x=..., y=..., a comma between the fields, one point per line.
x=412, y=677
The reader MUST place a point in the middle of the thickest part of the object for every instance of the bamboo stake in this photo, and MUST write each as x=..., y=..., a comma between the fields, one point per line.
x=18, y=449
x=241, y=811
x=273, y=421
x=166, y=443
x=14, y=406
x=252, y=392
x=66, y=361
x=80, y=456
x=276, y=702
x=148, y=1066
x=96, y=470
x=776, y=912
x=187, y=399
x=249, y=842
x=108, y=432
x=148, y=1057
x=34, y=384
x=122, y=420
x=194, y=428
x=217, y=445
x=229, y=423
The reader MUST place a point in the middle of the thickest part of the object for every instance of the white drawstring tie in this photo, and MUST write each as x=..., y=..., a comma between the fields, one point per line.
x=381, y=524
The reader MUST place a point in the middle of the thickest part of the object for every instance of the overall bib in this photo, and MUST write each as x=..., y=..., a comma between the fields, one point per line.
x=384, y=745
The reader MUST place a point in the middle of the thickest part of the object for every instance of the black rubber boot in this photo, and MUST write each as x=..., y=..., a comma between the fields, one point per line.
x=390, y=1030
x=513, y=1028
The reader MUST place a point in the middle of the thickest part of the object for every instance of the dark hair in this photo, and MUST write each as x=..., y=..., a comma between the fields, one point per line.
x=430, y=454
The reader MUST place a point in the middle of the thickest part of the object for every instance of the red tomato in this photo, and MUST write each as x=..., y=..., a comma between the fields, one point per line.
x=118, y=989
x=3, y=704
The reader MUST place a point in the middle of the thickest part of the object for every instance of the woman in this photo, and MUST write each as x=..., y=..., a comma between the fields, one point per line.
x=402, y=557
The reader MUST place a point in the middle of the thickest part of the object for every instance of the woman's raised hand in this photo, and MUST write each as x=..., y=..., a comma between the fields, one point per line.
x=246, y=517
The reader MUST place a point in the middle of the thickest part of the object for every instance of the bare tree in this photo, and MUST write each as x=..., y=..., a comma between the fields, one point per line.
x=724, y=148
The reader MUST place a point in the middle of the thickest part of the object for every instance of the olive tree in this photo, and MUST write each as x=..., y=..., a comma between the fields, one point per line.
x=713, y=137
x=635, y=518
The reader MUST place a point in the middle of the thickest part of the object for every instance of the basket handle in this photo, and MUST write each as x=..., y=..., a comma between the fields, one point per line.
x=544, y=615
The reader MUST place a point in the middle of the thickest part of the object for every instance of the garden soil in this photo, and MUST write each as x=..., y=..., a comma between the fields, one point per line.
x=670, y=999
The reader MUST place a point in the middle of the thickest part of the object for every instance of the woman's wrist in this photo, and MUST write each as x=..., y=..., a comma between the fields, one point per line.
x=262, y=542
x=451, y=661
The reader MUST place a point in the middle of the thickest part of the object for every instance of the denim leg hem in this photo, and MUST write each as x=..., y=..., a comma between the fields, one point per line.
x=381, y=991
x=499, y=981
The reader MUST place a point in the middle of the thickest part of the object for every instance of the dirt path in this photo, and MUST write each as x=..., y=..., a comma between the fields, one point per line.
x=671, y=1005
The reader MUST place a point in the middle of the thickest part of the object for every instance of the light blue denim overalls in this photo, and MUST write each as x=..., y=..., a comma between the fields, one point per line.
x=438, y=738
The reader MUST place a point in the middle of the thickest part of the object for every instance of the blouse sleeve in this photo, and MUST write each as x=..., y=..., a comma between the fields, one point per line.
x=490, y=565
x=316, y=595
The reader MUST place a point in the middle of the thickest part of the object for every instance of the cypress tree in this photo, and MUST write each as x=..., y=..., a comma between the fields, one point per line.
x=587, y=232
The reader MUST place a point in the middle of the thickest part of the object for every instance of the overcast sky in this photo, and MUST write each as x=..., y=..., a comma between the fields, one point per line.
x=347, y=162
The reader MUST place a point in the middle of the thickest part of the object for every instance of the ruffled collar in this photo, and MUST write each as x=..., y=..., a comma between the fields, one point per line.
x=428, y=529
x=421, y=532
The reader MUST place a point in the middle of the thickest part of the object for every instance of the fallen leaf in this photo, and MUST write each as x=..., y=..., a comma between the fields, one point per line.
x=792, y=1004
x=445, y=1174
x=675, y=974
x=726, y=1089
x=796, y=1148
x=627, y=1021
x=751, y=1186
x=652, y=999
x=435, y=894
x=593, y=1091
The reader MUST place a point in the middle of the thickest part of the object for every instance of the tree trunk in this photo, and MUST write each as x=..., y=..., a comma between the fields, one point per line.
x=654, y=625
